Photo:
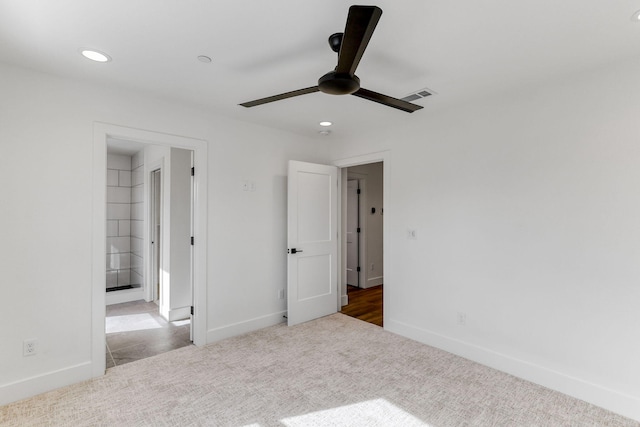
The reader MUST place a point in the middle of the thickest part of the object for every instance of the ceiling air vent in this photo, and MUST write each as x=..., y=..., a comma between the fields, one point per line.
x=418, y=94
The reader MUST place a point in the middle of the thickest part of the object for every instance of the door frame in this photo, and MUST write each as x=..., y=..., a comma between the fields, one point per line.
x=342, y=164
x=101, y=131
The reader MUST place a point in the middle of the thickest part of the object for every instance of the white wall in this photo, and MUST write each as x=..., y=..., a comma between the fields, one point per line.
x=527, y=208
x=46, y=134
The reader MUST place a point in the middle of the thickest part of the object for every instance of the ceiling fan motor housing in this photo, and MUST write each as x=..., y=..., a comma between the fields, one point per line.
x=335, y=41
x=339, y=83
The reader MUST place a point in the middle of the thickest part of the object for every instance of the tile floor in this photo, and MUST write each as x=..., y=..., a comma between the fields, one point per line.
x=135, y=330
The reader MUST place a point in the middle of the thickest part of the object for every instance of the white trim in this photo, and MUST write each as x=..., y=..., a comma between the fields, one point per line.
x=125, y=295
x=373, y=281
x=596, y=394
x=200, y=148
x=28, y=387
x=243, y=327
x=99, y=260
x=385, y=158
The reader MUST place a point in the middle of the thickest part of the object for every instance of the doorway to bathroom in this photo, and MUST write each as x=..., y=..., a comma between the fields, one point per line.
x=149, y=253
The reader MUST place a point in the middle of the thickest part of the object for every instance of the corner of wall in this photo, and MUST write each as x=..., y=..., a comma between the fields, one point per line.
x=596, y=394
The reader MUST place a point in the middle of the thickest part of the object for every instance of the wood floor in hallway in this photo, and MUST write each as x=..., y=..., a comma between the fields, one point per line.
x=364, y=304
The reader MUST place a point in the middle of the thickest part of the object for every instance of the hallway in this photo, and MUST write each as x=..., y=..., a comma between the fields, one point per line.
x=135, y=330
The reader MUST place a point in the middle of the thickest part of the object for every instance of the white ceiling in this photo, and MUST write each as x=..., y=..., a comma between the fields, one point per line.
x=461, y=49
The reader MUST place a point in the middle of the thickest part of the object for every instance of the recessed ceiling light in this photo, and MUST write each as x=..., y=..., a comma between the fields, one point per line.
x=636, y=16
x=94, y=55
x=324, y=132
x=205, y=59
x=325, y=123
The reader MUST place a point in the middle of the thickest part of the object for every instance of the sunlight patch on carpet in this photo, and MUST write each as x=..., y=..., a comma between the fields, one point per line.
x=371, y=413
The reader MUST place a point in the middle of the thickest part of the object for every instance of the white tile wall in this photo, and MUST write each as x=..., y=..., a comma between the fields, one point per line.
x=112, y=278
x=124, y=277
x=112, y=178
x=137, y=177
x=124, y=227
x=136, y=246
x=137, y=194
x=112, y=228
x=137, y=159
x=119, y=261
x=136, y=279
x=137, y=211
x=136, y=229
x=125, y=219
x=118, y=211
x=136, y=263
x=116, y=245
x=118, y=194
x=118, y=220
x=124, y=178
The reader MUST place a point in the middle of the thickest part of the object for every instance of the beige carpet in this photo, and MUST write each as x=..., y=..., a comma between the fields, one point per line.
x=335, y=371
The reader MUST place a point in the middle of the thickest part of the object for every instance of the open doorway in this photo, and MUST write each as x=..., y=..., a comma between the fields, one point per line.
x=363, y=242
x=199, y=148
x=149, y=287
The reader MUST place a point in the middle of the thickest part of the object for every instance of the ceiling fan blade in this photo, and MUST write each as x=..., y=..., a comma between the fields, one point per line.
x=281, y=96
x=361, y=22
x=387, y=100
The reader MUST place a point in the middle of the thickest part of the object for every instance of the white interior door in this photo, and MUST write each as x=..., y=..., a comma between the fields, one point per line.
x=352, y=233
x=313, y=241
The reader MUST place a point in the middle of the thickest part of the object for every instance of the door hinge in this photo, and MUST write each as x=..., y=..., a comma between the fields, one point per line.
x=358, y=229
x=358, y=269
x=192, y=310
x=358, y=191
x=193, y=171
x=192, y=240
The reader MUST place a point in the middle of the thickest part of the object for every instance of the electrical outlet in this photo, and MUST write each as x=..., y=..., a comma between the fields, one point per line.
x=281, y=294
x=29, y=347
x=372, y=267
x=461, y=318
x=412, y=234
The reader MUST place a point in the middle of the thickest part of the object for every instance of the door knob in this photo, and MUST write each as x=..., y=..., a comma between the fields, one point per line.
x=295, y=251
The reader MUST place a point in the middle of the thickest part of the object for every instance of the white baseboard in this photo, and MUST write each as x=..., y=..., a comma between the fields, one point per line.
x=599, y=395
x=373, y=281
x=125, y=295
x=234, y=329
x=344, y=300
x=38, y=384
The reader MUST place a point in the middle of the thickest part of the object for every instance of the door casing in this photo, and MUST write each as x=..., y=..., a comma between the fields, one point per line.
x=342, y=164
x=101, y=131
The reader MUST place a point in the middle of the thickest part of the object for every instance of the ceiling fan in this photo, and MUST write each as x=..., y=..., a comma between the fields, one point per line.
x=350, y=46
